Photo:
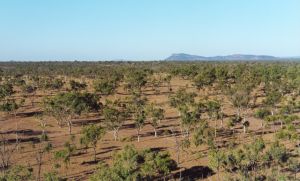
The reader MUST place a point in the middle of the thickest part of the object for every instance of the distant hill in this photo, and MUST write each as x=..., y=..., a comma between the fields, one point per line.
x=188, y=57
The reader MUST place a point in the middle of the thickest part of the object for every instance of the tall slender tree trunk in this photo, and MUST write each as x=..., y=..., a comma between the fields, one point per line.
x=222, y=117
x=238, y=112
x=138, y=135
x=95, y=158
x=222, y=122
x=187, y=133
x=116, y=134
x=70, y=127
x=39, y=160
x=32, y=100
x=17, y=130
x=59, y=123
x=272, y=112
x=17, y=135
x=155, y=132
x=216, y=123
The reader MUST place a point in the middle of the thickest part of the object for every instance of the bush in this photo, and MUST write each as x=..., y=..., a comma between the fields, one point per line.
x=17, y=173
x=130, y=164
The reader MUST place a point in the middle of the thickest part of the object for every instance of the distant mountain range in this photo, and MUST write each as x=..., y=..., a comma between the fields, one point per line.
x=188, y=57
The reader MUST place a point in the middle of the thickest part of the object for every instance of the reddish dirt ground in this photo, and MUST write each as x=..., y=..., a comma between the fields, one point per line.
x=81, y=163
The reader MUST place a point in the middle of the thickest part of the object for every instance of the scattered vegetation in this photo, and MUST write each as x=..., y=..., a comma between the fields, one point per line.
x=165, y=120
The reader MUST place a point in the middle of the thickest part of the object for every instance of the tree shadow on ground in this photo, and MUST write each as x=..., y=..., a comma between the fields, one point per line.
x=25, y=132
x=82, y=122
x=128, y=126
x=172, y=117
x=195, y=173
x=157, y=149
x=82, y=175
x=93, y=162
x=24, y=140
x=29, y=114
x=111, y=148
x=107, y=151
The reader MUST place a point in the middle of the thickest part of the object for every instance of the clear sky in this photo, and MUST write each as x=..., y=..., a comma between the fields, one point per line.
x=146, y=29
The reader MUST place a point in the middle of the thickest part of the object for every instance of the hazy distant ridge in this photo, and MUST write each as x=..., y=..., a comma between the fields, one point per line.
x=188, y=57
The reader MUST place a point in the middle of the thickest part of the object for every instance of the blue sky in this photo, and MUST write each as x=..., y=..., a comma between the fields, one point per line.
x=146, y=29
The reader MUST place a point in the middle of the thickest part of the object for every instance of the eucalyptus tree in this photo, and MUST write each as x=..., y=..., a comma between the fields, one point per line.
x=7, y=151
x=135, y=80
x=167, y=79
x=11, y=106
x=105, y=86
x=65, y=106
x=188, y=119
x=155, y=114
x=203, y=134
x=155, y=83
x=205, y=78
x=222, y=76
x=92, y=134
x=29, y=91
x=213, y=109
x=115, y=114
x=273, y=97
x=137, y=107
x=182, y=99
x=262, y=114
x=44, y=146
x=274, y=83
x=240, y=97
x=139, y=118
x=64, y=155
x=43, y=123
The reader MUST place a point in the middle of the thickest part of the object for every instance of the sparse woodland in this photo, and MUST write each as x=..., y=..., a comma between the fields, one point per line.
x=115, y=121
